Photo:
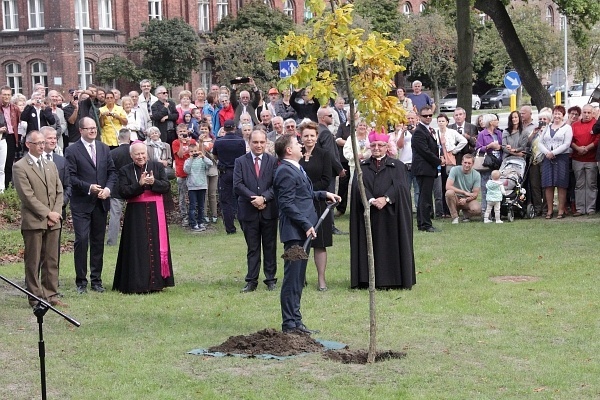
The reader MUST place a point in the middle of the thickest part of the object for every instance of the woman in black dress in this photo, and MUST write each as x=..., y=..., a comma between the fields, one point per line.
x=317, y=165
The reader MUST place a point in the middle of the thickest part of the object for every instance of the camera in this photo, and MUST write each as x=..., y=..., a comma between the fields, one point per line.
x=237, y=81
x=410, y=127
x=541, y=124
x=75, y=97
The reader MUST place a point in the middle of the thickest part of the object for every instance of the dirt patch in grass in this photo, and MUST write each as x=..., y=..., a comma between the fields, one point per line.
x=346, y=356
x=514, y=279
x=271, y=341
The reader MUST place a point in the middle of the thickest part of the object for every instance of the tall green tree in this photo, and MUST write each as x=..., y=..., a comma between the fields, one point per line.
x=432, y=49
x=118, y=67
x=258, y=16
x=585, y=53
x=383, y=15
x=170, y=50
x=242, y=53
x=577, y=11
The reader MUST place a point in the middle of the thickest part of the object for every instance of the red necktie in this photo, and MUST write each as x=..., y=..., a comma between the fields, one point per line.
x=256, y=167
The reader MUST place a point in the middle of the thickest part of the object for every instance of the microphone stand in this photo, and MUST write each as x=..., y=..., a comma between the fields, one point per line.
x=39, y=310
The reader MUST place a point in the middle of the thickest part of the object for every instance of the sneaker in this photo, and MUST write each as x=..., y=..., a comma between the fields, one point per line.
x=486, y=221
x=185, y=223
x=214, y=220
x=207, y=220
x=498, y=221
x=199, y=228
x=455, y=220
x=466, y=220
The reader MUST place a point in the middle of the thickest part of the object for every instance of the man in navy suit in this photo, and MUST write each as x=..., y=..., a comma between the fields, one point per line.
x=425, y=162
x=51, y=139
x=297, y=218
x=92, y=176
x=257, y=211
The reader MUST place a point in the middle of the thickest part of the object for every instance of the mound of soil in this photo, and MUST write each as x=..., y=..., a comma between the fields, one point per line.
x=346, y=356
x=269, y=341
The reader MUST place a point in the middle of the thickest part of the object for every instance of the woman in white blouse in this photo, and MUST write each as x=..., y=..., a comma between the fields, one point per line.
x=362, y=145
x=555, y=143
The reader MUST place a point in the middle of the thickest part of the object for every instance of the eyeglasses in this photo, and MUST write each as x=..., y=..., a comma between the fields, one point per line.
x=185, y=135
x=329, y=115
x=37, y=143
x=427, y=115
x=89, y=129
x=161, y=93
x=378, y=145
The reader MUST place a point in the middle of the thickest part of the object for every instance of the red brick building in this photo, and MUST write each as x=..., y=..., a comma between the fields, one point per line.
x=39, y=39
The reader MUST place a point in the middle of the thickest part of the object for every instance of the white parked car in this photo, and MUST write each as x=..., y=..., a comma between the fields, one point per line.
x=577, y=90
x=448, y=103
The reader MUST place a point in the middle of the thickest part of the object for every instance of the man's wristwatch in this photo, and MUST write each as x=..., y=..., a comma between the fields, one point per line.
x=387, y=200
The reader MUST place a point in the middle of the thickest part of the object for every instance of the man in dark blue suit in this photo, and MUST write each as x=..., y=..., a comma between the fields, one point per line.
x=92, y=176
x=227, y=148
x=257, y=211
x=297, y=218
x=425, y=166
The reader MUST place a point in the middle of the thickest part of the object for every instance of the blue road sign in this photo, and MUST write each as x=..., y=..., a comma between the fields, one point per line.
x=287, y=68
x=512, y=80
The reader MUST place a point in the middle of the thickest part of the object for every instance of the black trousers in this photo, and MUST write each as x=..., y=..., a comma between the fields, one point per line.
x=227, y=199
x=89, y=231
x=425, y=204
x=261, y=231
x=294, y=274
x=11, y=150
x=343, y=189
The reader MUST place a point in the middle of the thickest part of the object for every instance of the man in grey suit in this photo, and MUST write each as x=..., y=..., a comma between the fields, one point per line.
x=257, y=210
x=93, y=177
x=40, y=191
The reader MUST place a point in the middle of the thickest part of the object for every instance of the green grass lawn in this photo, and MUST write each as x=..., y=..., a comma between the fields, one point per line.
x=466, y=336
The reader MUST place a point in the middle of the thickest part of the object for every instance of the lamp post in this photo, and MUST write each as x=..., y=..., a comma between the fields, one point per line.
x=565, y=28
x=82, y=82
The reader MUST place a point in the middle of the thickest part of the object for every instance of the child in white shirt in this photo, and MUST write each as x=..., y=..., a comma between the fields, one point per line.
x=493, y=197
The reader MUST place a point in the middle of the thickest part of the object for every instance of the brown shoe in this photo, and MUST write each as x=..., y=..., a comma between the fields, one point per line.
x=54, y=302
x=577, y=214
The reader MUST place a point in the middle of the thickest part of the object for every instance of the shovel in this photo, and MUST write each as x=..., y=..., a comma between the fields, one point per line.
x=295, y=252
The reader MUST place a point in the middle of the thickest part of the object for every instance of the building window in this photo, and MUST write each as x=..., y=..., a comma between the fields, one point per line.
x=85, y=11
x=563, y=22
x=11, y=17
x=288, y=8
x=268, y=3
x=39, y=73
x=36, y=14
x=206, y=69
x=204, y=15
x=14, y=79
x=407, y=9
x=88, y=72
x=550, y=16
x=307, y=13
x=105, y=14
x=222, y=9
x=422, y=7
x=155, y=9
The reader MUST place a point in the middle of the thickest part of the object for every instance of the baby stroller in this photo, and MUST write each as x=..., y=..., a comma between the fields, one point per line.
x=513, y=171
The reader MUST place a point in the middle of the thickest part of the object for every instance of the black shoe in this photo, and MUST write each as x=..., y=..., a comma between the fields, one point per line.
x=302, y=328
x=250, y=287
x=271, y=286
x=336, y=231
x=81, y=289
x=98, y=288
x=232, y=232
x=430, y=229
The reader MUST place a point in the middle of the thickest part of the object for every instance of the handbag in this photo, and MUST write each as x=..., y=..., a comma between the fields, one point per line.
x=491, y=161
x=478, y=162
x=170, y=173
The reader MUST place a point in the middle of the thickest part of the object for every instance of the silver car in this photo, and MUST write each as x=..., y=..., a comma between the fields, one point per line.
x=448, y=103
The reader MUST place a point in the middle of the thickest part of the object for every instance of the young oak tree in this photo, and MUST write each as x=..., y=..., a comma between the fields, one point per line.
x=375, y=60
